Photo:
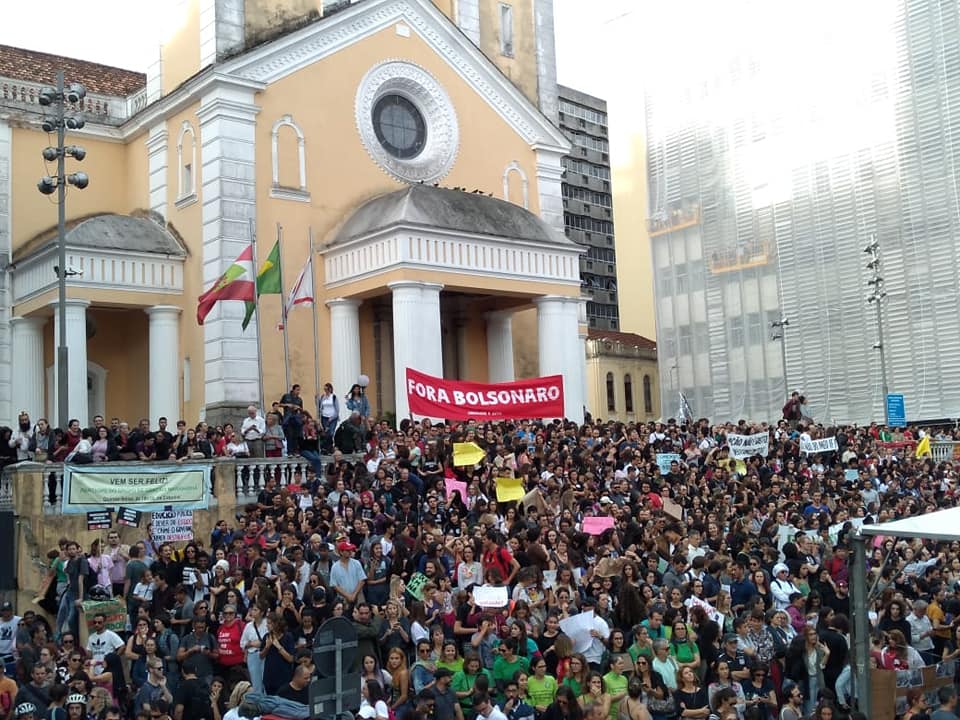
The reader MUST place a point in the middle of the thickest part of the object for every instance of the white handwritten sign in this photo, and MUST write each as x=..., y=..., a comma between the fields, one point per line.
x=745, y=446
x=490, y=596
x=818, y=446
x=172, y=526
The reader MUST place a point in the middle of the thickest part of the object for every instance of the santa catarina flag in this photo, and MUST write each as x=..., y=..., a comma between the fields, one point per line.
x=235, y=284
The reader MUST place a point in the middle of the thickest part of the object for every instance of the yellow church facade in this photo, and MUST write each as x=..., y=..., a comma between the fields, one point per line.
x=411, y=139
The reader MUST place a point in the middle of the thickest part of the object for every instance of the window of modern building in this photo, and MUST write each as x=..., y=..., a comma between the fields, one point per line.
x=736, y=332
x=647, y=395
x=611, y=394
x=628, y=393
x=506, y=29
x=585, y=113
x=686, y=340
x=755, y=330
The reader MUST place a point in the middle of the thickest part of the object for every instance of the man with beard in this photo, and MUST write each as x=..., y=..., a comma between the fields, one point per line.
x=22, y=437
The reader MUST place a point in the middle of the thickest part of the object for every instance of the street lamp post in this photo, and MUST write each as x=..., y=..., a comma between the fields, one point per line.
x=877, y=294
x=62, y=99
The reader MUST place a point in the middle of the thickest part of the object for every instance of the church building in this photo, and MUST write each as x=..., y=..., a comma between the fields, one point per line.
x=407, y=148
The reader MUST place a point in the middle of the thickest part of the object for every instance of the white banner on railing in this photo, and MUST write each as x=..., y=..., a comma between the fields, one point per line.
x=818, y=446
x=139, y=486
x=745, y=446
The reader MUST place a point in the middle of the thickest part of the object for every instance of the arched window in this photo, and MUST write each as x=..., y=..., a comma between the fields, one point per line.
x=516, y=189
x=628, y=393
x=187, y=164
x=611, y=394
x=288, y=149
x=647, y=395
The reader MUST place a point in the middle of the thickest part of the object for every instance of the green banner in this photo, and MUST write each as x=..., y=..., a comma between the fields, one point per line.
x=140, y=487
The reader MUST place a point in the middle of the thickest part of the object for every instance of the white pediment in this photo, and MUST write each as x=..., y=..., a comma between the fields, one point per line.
x=293, y=52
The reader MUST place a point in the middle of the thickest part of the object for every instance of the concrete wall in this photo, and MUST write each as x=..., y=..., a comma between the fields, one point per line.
x=37, y=532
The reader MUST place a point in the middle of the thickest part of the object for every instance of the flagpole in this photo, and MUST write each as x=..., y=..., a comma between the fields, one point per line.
x=256, y=312
x=283, y=308
x=316, y=334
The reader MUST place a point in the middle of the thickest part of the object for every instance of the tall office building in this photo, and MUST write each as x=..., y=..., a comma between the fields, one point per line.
x=774, y=159
x=588, y=204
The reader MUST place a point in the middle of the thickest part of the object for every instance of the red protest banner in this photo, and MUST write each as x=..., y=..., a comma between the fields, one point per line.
x=461, y=400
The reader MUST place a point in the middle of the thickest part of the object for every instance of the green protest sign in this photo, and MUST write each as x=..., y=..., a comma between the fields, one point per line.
x=415, y=585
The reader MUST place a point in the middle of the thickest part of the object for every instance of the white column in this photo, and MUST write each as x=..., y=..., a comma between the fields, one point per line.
x=581, y=349
x=28, y=367
x=558, y=340
x=344, y=347
x=76, y=360
x=417, y=337
x=500, y=346
x=164, y=371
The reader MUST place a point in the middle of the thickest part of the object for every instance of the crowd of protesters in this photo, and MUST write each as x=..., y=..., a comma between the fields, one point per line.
x=720, y=591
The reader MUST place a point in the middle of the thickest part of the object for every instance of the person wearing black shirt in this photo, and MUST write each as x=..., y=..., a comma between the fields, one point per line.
x=164, y=440
x=192, y=700
x=406, y=515
x=831, y=629
x=298, y=689
x=167, y=566
x=734, y=657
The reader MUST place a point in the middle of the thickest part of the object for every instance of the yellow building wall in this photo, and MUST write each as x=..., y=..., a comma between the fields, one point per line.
x=180, y=54
x=341, y=176
x=33, y=213
x=526, y=353
x=187, y=221
x=120, y=346
x=634, y=257
x=137, y=177
x=597, y=369
x=446, y=7
x=521, y=67
x=475, y=366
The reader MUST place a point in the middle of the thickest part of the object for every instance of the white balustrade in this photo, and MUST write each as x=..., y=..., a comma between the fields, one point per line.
x=502, y=257
x=112, y=109
x=100, y=269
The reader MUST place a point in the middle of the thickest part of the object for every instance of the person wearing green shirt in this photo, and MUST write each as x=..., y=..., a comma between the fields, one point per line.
x=576, y=676
x=615, y=685
x=642, y=644
x=463, y=681
x=541, y=688
x=683, y=648
x=507, y=664
x=449, y=658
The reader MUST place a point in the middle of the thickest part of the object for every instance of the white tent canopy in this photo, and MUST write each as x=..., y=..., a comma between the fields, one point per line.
x=939, y=525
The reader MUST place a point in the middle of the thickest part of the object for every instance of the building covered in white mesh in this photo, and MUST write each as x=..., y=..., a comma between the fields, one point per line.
x=777, y=151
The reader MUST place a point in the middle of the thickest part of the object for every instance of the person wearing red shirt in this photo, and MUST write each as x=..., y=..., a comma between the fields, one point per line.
x=497, y=557
x=232, y=658
x=69, y=441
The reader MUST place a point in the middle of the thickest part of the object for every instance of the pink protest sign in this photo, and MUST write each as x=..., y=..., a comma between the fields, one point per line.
x=453, y=485
x=596, y=525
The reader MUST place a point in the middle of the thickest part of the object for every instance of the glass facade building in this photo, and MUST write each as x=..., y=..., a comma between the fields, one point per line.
x=774, y=158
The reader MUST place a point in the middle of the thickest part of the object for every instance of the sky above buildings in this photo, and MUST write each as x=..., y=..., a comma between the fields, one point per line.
x=127, y=33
